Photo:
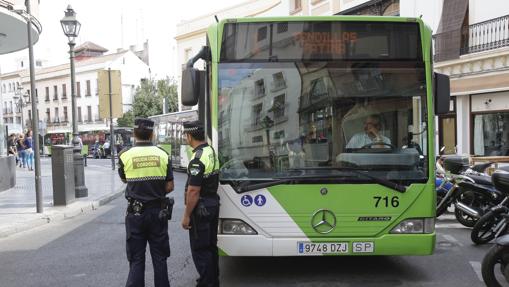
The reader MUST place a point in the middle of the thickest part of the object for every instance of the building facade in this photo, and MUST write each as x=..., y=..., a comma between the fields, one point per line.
x=53, y=91
x=472, y=47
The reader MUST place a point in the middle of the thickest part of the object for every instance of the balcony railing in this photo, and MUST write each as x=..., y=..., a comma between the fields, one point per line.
x=488, y=35
x=483, y=36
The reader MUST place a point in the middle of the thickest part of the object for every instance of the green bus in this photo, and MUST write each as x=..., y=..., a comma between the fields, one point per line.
x=89, y=136
x=325, y=131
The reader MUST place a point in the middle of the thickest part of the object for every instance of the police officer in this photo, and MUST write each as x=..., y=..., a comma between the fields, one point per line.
x=202, y=205
x=147, y=171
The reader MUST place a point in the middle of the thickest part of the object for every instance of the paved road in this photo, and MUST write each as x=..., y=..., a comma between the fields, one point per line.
x=89, y=250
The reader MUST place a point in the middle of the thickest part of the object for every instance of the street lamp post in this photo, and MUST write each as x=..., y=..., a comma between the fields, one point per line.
x=71, y=28
x=20, y=104
x=35, y=117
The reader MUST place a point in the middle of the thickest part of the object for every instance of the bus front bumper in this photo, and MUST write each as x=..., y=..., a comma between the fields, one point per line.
x=388, y=244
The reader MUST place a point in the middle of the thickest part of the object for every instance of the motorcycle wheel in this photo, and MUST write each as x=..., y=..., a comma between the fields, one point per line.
x=441, y=210
x=496, y=255
x=483, y=231
x=468, y=198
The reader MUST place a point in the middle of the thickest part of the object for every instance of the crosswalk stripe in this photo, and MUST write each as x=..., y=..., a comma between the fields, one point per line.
x=476, y=265
x=451, y=239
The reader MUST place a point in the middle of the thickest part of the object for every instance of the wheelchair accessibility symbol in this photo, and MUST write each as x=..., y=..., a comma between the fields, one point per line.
x=246, y=200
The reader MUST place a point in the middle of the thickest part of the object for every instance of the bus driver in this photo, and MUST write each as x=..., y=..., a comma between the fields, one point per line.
x=371, y=135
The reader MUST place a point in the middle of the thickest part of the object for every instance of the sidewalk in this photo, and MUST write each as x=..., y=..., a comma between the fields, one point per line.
x=18, y=205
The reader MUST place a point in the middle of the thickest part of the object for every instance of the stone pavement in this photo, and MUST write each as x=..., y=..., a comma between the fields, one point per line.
x=18, y=205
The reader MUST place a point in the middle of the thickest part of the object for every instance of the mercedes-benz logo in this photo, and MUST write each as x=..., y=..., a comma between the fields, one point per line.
x=323, y=221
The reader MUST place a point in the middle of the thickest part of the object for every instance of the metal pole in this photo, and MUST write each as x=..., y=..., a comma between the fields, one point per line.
x=80, y=189
x=2, y=122
x=6, y=139
x=112, y=131
x=21, y=104
x=35, y=121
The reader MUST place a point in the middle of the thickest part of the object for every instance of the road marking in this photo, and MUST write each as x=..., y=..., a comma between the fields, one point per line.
x=450, y=225
x=476, y=265
x=451, y=239
x=446, y=216
x=80, y=275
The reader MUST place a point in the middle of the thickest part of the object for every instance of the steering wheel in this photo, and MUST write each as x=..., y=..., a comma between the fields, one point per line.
x=370, y=145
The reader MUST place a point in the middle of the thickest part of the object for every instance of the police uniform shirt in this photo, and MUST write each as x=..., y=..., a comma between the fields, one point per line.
x=202, y=170
x=147, y=169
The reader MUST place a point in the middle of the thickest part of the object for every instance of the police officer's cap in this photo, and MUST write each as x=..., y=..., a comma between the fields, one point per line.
x=143, y=124
x=193, y=127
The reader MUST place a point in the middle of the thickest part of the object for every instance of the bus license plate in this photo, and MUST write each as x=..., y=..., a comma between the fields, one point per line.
x=310, y=248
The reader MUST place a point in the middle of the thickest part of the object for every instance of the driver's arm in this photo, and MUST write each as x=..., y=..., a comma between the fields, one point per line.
x=354, y=142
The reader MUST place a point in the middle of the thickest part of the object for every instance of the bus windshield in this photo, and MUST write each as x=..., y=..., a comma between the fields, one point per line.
x=317, y=109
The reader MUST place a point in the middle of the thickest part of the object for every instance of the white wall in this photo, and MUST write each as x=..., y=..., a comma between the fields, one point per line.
x=132, y=70
x=482, y=10
x=463, y=124
x=431, y=10
x=347, y=4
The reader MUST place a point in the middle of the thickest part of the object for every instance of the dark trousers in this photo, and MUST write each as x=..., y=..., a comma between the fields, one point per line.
x=203, y=238
x=141, y=229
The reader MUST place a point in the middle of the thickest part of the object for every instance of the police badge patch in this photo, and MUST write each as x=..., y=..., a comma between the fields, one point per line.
x=194, y=171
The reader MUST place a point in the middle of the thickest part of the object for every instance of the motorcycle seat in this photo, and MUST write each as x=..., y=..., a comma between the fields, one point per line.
x=476, y=187
x=481, y=167
x=501, y=181
x=481, y=179
x=503, y=240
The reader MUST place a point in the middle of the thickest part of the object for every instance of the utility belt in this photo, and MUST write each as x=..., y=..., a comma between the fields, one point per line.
x=215, y=172
x=137, y=207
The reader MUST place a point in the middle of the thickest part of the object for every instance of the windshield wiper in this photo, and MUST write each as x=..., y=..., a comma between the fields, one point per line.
x=246, y=186
x=382, y=181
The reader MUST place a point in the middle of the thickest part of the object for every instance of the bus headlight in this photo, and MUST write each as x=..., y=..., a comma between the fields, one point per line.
x=415, y=226
x=235, y=226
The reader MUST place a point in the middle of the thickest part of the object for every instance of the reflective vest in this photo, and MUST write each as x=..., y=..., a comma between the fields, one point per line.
x=143, y=163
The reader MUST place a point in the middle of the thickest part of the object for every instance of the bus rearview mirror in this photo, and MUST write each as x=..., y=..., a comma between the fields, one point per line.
x=190, y=87
x=442, y=94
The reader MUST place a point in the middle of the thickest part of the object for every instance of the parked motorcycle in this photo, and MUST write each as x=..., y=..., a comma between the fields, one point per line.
x=497, y=255
x=475, y=199
x=465, y=187
x=99, y=152
x=495, y=222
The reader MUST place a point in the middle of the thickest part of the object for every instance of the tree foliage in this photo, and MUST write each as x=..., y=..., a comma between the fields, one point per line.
x=127, y=119
x=167, y=89
x=148, y=99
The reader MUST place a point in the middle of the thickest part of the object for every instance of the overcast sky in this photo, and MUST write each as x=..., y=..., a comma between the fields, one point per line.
x=101, y=20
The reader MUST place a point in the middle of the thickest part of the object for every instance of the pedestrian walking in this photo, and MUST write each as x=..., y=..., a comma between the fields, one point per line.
x=202, y=205
x=20, y=146
x=147, y=171
x=29, y=151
